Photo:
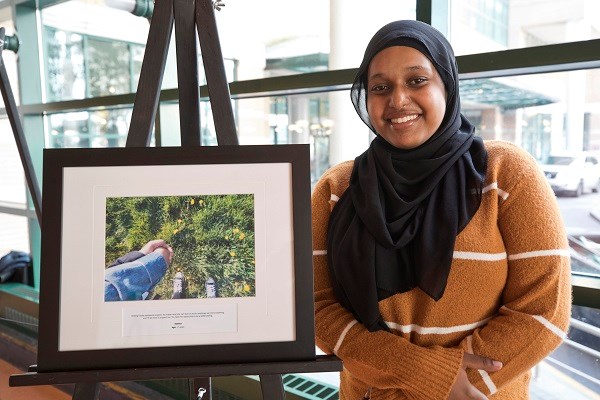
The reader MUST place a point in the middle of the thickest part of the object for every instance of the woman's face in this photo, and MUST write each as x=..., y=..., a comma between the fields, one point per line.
x=406, y=98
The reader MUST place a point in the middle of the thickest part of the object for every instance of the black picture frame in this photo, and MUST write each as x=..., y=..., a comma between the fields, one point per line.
x=53, y=357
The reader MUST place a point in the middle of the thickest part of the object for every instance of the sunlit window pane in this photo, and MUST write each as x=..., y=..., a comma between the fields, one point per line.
x=14, y=234
x=12, y=177
x=109, y=69
x=282, y=37
x=269, y=120
x=94, y=128
x=492, y=25
x=83, y=57
x=65, y=69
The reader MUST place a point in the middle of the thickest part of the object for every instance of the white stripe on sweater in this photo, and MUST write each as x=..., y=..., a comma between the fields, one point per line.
x=469, y=255
x=488, y=381
x=549, y=325
x=343, y=336
x=484, y=375
x=469, y=340
x=435, y=330
x=319, y=252
x=494, y=185
x=334, y=197
x=540, y=253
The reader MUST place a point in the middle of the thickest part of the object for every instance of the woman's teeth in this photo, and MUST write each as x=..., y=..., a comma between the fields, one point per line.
x=403, y=119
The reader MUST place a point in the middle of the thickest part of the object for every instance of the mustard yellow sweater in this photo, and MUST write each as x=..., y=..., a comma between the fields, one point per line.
x=508, y=295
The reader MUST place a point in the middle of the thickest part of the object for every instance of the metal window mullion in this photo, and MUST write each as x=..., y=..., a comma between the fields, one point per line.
x=86, y=71
x=130, y=62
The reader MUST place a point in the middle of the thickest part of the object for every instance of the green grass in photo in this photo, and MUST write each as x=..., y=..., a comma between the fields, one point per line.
x=211, y=236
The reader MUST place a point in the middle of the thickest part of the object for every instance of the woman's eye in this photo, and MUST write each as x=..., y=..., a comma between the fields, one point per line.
x=378, y=88
x=417, y=81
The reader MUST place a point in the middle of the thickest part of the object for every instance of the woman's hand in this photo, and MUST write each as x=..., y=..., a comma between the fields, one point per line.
x=462, y=388
x=158, y=246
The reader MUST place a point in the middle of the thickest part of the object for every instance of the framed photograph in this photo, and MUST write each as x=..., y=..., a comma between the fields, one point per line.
x=175, y=256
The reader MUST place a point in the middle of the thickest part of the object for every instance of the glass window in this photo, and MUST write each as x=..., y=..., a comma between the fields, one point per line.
x=544, y=113
x=262, y=38
x=12, y=177
x=137, y=57
x=95, y=18
x=479, y=26
x=79, y=66
x=91, y=128
x=86, y=59
x=65, y=69
x=291, y=37
x=109, y=67
x=266, y=120
x=14, y=233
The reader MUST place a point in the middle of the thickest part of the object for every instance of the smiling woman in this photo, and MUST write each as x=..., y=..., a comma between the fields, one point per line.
x=434, y=247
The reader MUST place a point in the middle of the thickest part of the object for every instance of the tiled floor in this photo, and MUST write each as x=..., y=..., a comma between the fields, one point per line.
x=28, y=392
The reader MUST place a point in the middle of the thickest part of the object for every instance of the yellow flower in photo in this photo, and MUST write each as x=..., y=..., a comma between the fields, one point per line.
x=226, y=237
x=192, y=201
x=242, y=236
x=236, y=230
x=253, y=262
x=246, y=288
x=201, y=202
x=179, y=221
x=175, y=231
x=232, y=253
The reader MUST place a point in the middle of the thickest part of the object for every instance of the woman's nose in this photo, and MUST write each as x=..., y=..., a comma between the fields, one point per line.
x=399, y=98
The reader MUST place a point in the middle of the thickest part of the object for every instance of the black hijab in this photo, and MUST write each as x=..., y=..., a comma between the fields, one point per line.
x=395, y=227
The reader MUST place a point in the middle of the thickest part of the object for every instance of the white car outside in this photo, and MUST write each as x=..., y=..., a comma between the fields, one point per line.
x=573, y=173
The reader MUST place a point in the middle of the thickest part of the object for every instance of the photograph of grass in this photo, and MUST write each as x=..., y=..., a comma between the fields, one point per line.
x=211, y=237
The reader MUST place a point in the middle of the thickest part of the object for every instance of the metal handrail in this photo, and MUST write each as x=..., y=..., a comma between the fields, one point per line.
x=585, y=327
x=582, y=348
x=573, y=370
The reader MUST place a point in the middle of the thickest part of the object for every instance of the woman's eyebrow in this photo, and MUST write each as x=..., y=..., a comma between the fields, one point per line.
x=377, y=75
x=412, y=68
x=418, y=68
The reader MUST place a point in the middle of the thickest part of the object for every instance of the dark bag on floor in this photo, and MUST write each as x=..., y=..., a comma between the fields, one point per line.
x=16, y=267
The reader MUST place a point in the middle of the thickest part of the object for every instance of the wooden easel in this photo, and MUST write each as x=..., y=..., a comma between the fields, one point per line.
x=87, y=383
x=187, y=16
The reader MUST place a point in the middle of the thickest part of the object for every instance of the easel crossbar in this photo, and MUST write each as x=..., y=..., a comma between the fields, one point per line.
x=320, y=364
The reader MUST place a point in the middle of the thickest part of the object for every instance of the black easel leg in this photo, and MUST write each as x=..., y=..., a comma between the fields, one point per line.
x=187, y=72
x=151, y=75
x=216, y=79
x=200, y=389
x=86, y=391
x=272, y=387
